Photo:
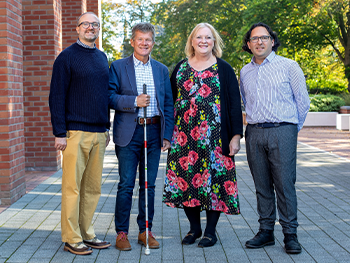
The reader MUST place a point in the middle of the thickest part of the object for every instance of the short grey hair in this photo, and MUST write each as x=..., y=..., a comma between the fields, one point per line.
x=144, y=28
x=91, y=13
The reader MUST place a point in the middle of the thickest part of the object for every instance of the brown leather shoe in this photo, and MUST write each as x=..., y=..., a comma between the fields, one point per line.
x=152, y=242
x=122, y=242
x=96, y=243
x=78, y=248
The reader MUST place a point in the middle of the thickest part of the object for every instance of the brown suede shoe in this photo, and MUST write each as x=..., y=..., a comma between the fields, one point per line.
x=152, y=242
x=122, y=242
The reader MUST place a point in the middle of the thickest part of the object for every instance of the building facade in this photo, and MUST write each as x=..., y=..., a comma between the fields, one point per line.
x=32, y=34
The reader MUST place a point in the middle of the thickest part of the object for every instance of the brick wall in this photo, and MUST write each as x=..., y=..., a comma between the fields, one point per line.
x=26, y=139
x=71, y=10
x=12, y=181
x=95, y=6
x=42, y=44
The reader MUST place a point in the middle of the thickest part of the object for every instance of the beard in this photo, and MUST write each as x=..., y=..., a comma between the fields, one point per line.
x=90, y=38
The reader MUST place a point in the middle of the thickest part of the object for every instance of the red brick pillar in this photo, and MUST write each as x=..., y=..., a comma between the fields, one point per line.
x=12, y=181
x=95, y=6
x=71, y=10
x=42, y=44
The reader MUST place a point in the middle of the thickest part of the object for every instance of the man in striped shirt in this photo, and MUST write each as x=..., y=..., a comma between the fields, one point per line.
x=276, y=101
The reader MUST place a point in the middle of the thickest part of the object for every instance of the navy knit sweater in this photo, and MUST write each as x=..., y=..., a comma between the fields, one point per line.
x=79, y=91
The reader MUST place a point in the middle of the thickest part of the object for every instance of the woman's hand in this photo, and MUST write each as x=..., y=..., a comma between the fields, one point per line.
x=235, y=144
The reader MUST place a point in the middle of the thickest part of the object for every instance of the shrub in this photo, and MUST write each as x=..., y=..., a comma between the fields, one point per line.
x=325, y=103
x=346, y=98
x=326, y=87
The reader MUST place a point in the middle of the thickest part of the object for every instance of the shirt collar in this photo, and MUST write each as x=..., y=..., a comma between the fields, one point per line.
x=84, y=45
x=269, y=58
x=139, y=62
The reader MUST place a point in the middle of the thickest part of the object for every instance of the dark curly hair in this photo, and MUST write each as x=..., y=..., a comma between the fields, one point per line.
x=277, y=43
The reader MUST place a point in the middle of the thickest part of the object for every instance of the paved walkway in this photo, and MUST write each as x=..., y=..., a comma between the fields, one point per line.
x=30, y=228
x=328, y=139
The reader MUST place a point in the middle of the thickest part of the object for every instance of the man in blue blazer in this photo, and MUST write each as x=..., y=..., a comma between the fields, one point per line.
x=127, y=78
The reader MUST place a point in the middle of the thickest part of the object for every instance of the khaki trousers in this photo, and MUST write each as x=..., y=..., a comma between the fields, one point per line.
x=81, y=184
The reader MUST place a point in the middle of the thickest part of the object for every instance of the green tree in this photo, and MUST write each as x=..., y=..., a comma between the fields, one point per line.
x=131, y=13
x=311, y=25
x=177, y=18
x=109, y=29
x=330, y=26
x=314, y=33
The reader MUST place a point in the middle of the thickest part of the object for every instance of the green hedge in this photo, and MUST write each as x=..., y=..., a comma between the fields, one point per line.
x=326, y=87
x=346, y=98
x=325, y=103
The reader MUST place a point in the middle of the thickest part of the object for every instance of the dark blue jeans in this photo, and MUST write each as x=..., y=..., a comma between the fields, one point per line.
x=129, y=157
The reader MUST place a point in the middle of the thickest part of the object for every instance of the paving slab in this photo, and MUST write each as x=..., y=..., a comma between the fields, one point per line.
x=30, y=228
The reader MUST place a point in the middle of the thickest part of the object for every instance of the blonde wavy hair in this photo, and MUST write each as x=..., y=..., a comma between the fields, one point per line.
x=218, y=43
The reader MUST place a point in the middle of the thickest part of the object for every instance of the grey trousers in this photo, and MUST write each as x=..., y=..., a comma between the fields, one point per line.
x=271, y=155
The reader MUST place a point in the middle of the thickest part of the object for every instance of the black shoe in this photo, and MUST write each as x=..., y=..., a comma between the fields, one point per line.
x=291, y=244
x=190, y=238
x=262, y=238
x=207, y=241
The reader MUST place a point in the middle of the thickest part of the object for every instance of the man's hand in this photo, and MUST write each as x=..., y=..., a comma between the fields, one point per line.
x=60, y=143
x=143, y=100
x=166, y=145
x=108, y=139
x=235, y=145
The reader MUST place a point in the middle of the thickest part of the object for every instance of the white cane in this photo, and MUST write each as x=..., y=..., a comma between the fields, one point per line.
x=147, y=250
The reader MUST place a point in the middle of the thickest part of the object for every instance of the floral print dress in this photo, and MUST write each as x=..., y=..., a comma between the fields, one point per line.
x=198, y=174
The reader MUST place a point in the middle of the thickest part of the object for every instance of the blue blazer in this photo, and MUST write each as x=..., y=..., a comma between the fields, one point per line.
x=122, y=92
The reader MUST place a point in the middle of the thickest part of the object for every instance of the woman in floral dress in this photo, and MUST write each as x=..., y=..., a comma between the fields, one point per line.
x=208, y=127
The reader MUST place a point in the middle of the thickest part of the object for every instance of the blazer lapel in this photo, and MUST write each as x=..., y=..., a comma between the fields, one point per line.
x=130, y=70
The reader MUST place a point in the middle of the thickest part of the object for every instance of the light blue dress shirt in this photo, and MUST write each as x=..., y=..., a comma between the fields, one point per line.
x=274, y=91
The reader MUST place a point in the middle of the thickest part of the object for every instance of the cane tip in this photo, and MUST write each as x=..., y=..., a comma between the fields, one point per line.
x=147, y=251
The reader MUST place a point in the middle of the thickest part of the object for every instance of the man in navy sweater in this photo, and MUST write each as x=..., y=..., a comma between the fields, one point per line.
x=80, y=121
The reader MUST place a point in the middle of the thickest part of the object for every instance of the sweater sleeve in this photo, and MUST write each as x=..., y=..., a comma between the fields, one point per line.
x=60, y=80
x=235, y=109
x=231, y=112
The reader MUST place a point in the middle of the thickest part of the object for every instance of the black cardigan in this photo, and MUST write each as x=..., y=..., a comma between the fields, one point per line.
x=231, y=112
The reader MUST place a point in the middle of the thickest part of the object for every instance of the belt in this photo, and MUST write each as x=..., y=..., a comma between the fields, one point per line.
x=270, y=124
x=152, y=120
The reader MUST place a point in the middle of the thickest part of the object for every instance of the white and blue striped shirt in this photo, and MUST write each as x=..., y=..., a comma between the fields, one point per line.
x=274, y=91
x=144, y=75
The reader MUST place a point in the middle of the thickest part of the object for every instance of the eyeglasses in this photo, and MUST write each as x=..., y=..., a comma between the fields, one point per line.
x=87, y=24
x=256, y=39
